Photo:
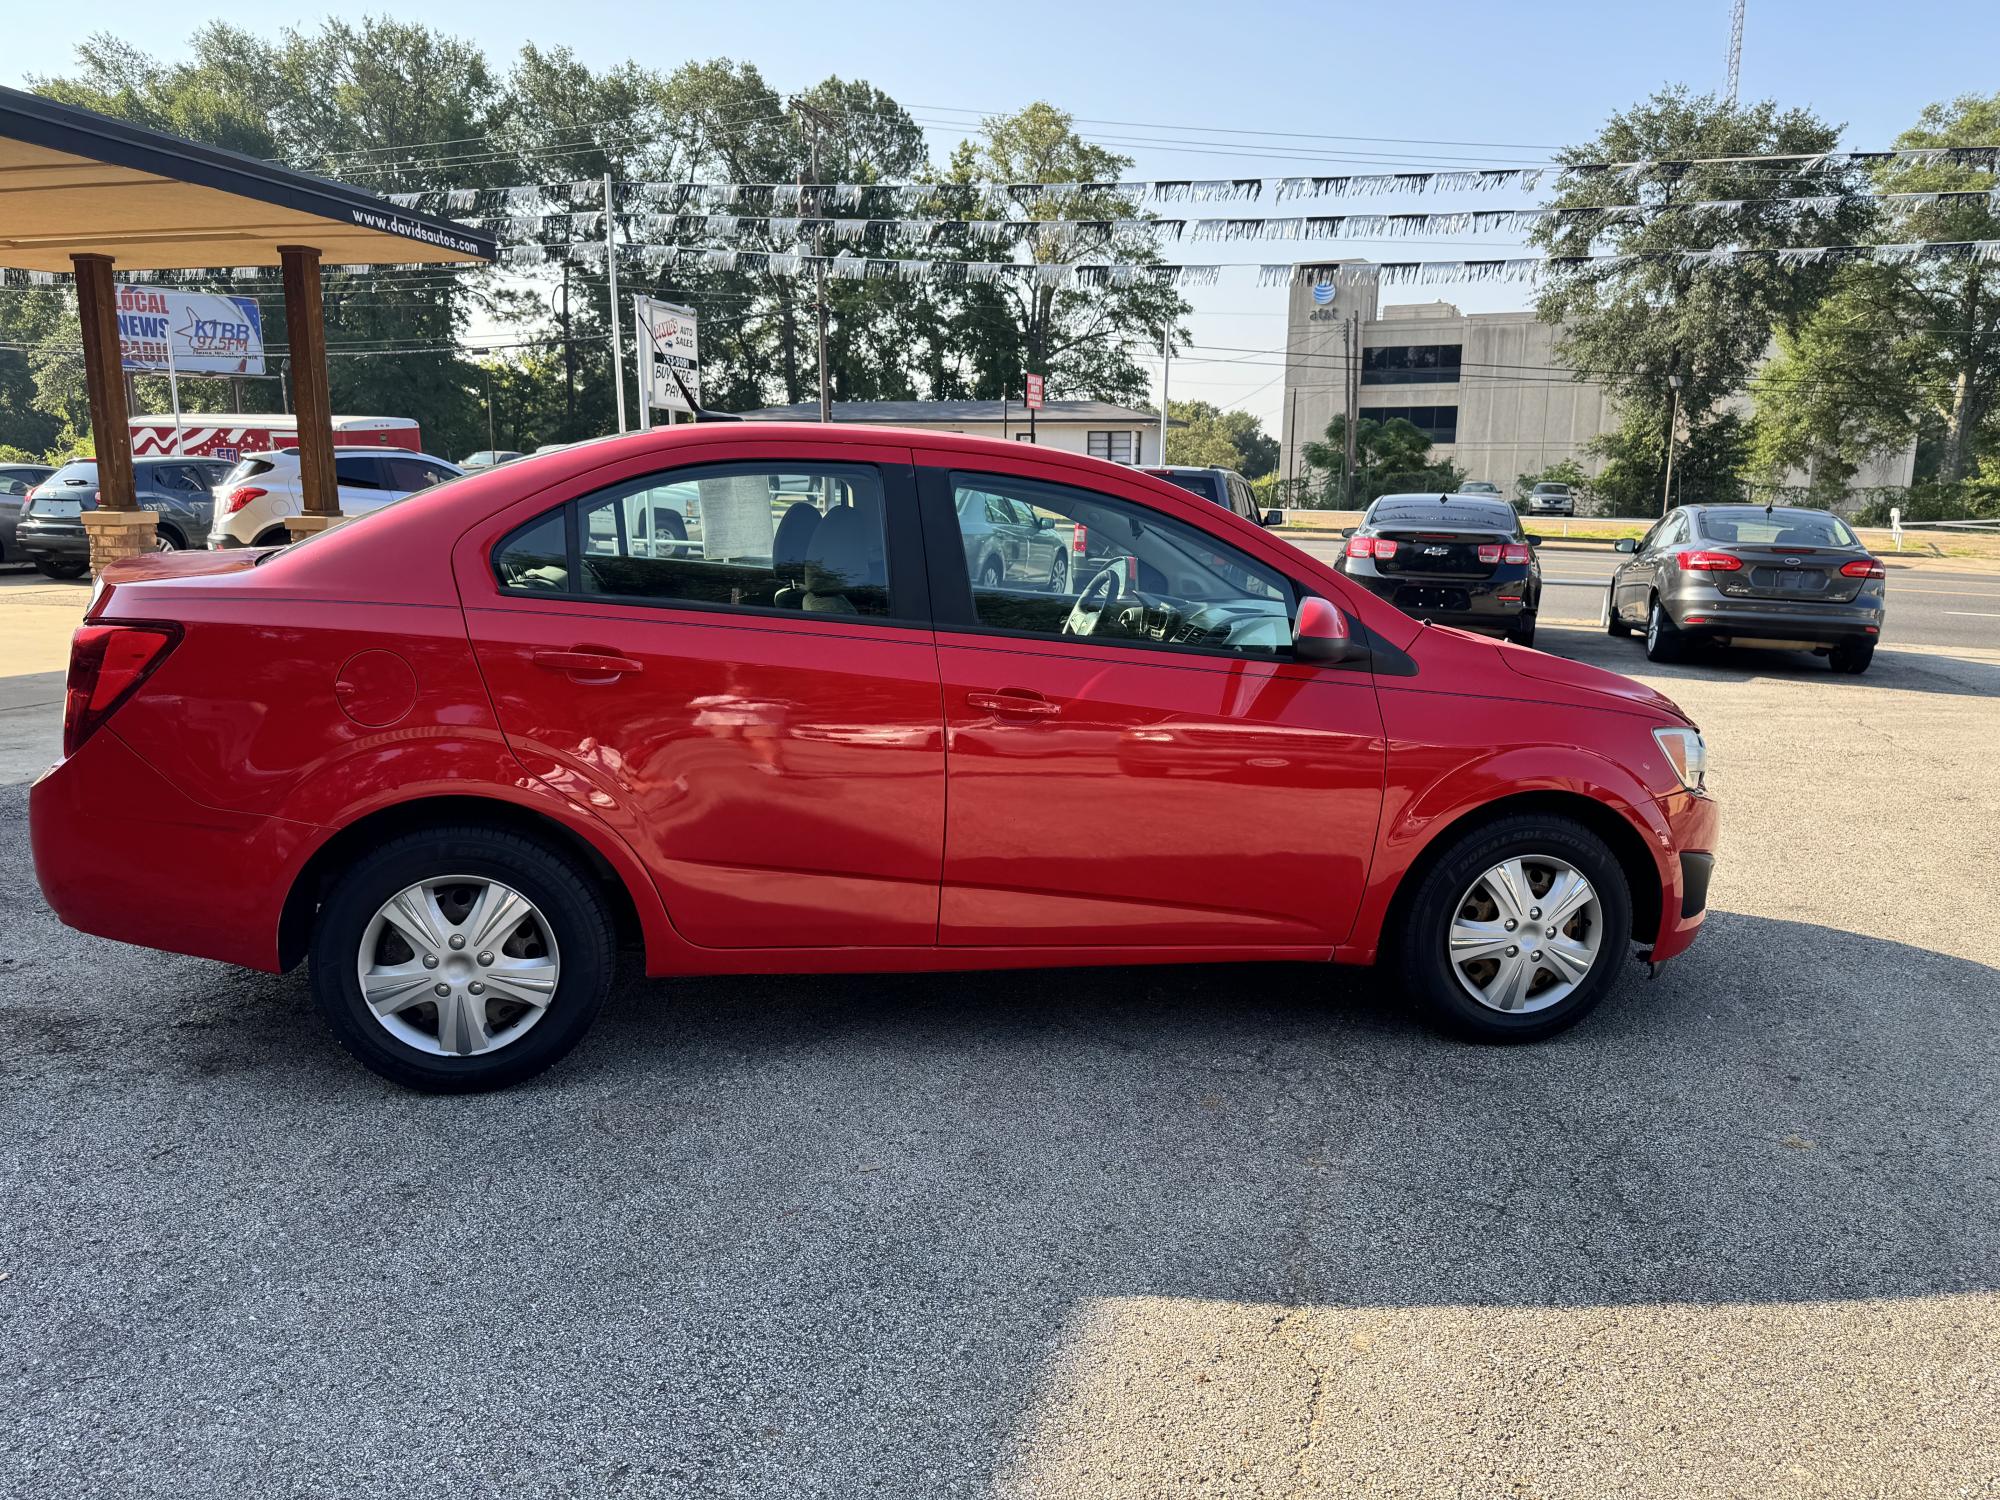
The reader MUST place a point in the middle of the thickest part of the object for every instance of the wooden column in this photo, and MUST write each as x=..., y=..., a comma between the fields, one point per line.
x=116, y=527
x=305, y=322
x=104, y=378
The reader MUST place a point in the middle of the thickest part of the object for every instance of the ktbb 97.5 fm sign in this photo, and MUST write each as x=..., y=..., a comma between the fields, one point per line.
x=191, y=333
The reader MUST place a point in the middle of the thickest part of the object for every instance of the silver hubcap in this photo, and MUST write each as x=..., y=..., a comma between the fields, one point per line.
x=1525, y=934
x=458, y=965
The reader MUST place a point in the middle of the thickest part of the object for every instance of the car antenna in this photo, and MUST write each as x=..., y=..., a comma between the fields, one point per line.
x=701, y=414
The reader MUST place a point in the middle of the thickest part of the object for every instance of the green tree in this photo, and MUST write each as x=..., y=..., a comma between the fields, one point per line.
x=1217, y=439
x=1390, y=458
x=1081, y=337
x=1657, y=318
x=1900, y=352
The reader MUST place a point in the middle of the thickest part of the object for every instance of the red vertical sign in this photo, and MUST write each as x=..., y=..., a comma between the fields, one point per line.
x=1034, y=400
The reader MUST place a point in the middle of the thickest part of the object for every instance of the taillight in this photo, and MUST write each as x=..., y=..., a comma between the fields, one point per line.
x=28, y=500
x=106, y=665
x=1708, y=562
x=236, y=499
x=1077, y=539
x=1517, y=552
x=1864, y=567
x=1385, y=546
x=1371, y=546
x=1490, y=553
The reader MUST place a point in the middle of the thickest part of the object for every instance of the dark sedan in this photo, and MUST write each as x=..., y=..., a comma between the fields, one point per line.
x=1750, y=575
x=1453, y=559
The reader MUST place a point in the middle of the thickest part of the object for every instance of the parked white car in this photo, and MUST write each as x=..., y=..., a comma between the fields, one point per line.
x=252, y=502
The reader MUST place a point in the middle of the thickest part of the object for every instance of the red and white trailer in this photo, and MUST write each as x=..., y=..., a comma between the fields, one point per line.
x=229, y=435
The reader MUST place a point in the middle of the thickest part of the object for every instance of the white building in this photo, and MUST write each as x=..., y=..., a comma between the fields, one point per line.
x=1486, y=388
x=1098, y=428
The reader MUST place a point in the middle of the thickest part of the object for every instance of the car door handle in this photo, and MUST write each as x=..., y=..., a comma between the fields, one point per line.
x=1019, y=702
x=583, y=662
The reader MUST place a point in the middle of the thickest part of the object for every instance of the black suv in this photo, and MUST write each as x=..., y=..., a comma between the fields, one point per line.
x=178, y=490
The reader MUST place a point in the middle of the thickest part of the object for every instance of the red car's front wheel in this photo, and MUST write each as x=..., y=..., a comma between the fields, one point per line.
x=1518, y=930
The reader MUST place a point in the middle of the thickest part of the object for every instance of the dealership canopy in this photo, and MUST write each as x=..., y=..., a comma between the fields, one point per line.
x=80, y=191
x=77, y=183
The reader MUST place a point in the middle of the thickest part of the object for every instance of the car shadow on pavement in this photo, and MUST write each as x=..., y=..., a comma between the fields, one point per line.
x=751, y=1221
x=1937, y=671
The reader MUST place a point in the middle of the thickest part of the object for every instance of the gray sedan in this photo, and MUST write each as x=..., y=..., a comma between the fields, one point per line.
x=1008, y=544
x=1750, y=575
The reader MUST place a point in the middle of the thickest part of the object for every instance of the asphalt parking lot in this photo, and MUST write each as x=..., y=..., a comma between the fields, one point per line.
x=1241, y=1231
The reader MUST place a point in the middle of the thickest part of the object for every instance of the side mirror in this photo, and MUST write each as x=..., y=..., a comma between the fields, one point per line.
x=1321, y=634
x=1534, y=541
x=1625, y=544
x=1272, y=518
x=1042, y=522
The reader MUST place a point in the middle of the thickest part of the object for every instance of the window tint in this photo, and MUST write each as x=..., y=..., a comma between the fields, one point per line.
x=360, y=471
x=535, y=559
x=809, y=539
x=1119, y=572
x=1203, y=485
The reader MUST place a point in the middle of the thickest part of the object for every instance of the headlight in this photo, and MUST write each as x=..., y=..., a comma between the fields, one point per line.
x=1686, y=753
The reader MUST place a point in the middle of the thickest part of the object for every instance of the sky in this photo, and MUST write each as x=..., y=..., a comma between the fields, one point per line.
x=1247, y=88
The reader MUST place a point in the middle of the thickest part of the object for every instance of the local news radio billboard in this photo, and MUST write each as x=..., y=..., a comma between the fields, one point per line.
x=209, y=334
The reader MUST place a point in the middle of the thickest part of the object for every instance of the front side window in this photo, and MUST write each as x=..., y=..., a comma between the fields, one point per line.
x=1122, y=573
x=358, y=471
x=745, y=536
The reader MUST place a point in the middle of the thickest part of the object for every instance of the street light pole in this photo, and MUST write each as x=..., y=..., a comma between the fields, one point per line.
x=817, y=122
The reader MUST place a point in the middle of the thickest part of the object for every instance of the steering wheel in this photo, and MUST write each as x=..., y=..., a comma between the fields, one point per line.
x=1104, y=587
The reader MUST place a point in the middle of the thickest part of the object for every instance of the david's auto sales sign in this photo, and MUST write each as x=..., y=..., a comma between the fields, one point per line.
x=210, y=334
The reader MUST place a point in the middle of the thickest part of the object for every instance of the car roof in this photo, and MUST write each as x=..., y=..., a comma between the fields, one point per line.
x=1183, y=469
x=348, y=448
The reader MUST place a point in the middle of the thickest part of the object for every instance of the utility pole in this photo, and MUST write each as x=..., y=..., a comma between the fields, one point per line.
x=611, y=274
x=490, y=444
x=816, y=123
x=1166, y=361
x=569, y=360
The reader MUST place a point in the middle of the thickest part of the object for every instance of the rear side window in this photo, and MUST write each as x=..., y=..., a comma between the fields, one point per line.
x=415, y=473
x=248, y=468
x=805, y=538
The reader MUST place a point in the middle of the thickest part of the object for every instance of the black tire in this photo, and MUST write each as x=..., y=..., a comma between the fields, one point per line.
x=992, y=573
x=1059, y=574
x=563, y=893
x=1419, y=946
x=166, y=539
x=273, y=536
x=1851, y=657
x=63, y=570
x=1664, y=640
x=1522, y=631
x=1614, y=624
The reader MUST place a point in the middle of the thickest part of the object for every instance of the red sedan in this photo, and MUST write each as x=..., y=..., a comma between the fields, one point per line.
x=732, y=694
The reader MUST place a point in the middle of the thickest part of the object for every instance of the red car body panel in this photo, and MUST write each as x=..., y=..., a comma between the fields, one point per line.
x=781, y=792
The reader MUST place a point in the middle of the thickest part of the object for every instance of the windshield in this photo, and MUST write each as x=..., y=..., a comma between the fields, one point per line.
x=1778, y=528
